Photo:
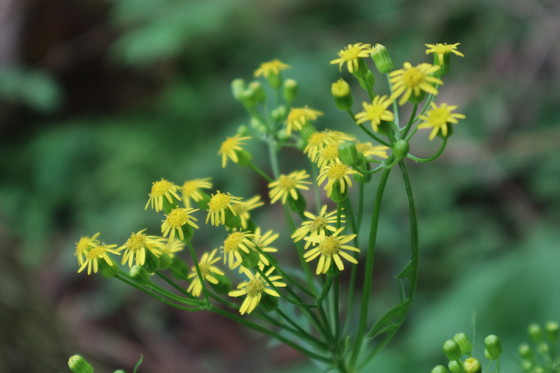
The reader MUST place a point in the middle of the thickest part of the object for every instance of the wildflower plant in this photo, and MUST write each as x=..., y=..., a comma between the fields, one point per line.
x=323, y=308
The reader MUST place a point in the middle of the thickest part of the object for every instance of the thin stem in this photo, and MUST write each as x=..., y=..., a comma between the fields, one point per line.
x=433, y=157
x=410, y=120
x=395, y=105
x=174, y=284
x=260, y=172
x=302, y=332
x=369, y=133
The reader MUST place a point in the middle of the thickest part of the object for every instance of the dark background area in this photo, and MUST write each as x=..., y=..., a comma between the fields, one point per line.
x=100, y=98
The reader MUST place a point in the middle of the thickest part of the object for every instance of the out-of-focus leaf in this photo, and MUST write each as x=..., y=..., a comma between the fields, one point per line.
x=36, y=89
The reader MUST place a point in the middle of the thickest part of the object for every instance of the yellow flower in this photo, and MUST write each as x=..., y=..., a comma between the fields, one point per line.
x=438, y=118
x=319, y=140
x=191, y=190
x=287, y=185
x=411, y=80
x=330, y=249
x=337, y=175
x=442, y=49
x=96, y=253
x=218, y=205
x=160, y=190
x=171, y=247
x=327, y=156
x=83, y=245
x=369, y=150
x=242, y=209
x=375, y=112
x=351, y=55
x=262, y=241
x=298, y=117
x=254, y=289
x=234, y=245
x=270, y=68
x=137, y=245
x=176, y=220
x=230, y=147
x=316, y=225
x=207, y=271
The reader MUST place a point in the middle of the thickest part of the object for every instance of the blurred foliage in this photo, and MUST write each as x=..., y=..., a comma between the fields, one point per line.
x=33, y=88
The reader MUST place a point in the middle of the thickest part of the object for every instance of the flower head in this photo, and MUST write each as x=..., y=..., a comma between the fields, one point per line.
x=176, y=220
x=230, y=148
x=351, y=55
x=242, y=209
x=235, y=244
x=317, y=225
x=438, y=118
x=412, y=80
x=442, y=49
x=192, y=190
x=254, y=289
x=337, y=176
x=287, y=185
x=95, y=254
x=136, y=246
x=83, y=245
x=298, y=117
x=319, y=140
x=207, y=271
x=270, y=68
x=263, y=241
x=376, y=112
x=219, y=204
x=160, y=190
x=171, y=247
x=369, y=150
x=330, y=249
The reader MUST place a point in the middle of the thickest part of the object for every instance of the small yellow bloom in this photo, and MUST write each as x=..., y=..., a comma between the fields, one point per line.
x=218, y=205
x=369, y=150
x=351, y=55
x=254, y=289
x=191, y=190
x=263, y=241
x=137, y=245
x=438, y=118
x=230, y=147
x=270, y=68
x=337, y=176
x=442, y=49
x=375, y=112
x=171, y=247
x=411, y=80
x=96, y=253
x=340, y=88
x=298, y=117
x=330, y=249
x=176, y=220
x=327, y=156
x=234, y=245
x=207, y=271
x=242, y=209
x=160, y=190
x=83, y=245
x=316, y=225
x=287, y=185
x=319, y=140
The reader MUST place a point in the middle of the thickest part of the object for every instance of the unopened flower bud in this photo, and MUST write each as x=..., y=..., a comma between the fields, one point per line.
x=455, y=366
x=535, y=332
x=290, y=90
x=78, y=364
x=139, y=274
x=440, y=369
x=543, y=348
x=243, y=130
x=238, y=87
x=279, y=114
x=552, y=331
x=452, y=350
x=400, y=149
x=464, y=343
x=381, y=58
x=342, y=95
x=471, y=365
x=525, y=351
x=164, y=261
x=243, y=158
x=258, y=92
x=493, y=346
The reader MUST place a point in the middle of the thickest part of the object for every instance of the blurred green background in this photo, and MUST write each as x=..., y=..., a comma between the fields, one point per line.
x=100, y=98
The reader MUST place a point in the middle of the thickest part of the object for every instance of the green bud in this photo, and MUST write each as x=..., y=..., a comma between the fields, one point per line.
x=297, y=205
x=290, y=90
x=164, y=261
x=381, y=58
x=152, y=262
x=471, y=365
x=464, y=343
x=243, y=130
x=440, y=369
x=237, y=88
x=452, y=350
x=493, y=346
x=108, y=270
x=258, y=126
x=342, y=95
x=139, y=274
x=274, y=80
x=349, y=155
x=119, y=371
x=279, y=114
x=257, y=92
x=527, y=365
x=223, y=286
x=525, y=351
x=400, y=149
x=78, y=364
x=455, y=366
x=552, y=331
x=535, y=332
x=543, y=348
x=179, y=269
x=538, y=369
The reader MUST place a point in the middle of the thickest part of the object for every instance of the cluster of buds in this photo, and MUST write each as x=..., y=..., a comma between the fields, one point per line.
x=542, y=355
x=458, y=351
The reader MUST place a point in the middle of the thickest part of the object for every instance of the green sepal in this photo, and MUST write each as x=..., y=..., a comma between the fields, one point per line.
x=203, y=203
x=297, y=205
x=108, y=270
x=443, y=67
x=464, y=343
x=139, y=274
x=251, y=260
x=232, y=221
x=290, y=90
x=382, y=59
x=336, y=195
x=268, y=302
x=275, y=80
x=417, y=99
x=307, y=130
x=164, y=261
x=152, y=262
x=349, y=155
x=400, y=149
x=168, y=206
x=223, y=286
x=179, y=269
x=385, y=128
x=243, y=157
x=78, y=364
x=493, y=346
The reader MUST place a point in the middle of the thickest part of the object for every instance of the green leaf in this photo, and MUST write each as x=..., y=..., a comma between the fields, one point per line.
x=391, y=319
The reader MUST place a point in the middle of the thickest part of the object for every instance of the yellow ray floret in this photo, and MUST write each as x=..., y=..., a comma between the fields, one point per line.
x=207, y=271
x=176, y=220
x=351, y=54
x=192, y=190
x=287, y=185
x=375, y=112
x=437, y=118
x=270, y=68
x=230, y=147
x=413, y=80
x=442, y=49
x=254, y=289
x=160, y=190
x=331, y=249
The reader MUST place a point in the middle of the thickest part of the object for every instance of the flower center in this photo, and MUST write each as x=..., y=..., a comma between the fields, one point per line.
x=228, y=145
x=177, y=218
x=96, y=252
x=190, y=187
x=413, y=77
x=136, y=242
x=318, y=224
x=219, y=202
x=337, y=171
x=255, y=287
x=317, y=139
x=329, y=153
x=83, y=244
x=351, y=53
x=160, y=188
x=329, y=246
x=204, y=269
x=375, y=111
x=438, y=116
x=233, y=241
x=286, y=182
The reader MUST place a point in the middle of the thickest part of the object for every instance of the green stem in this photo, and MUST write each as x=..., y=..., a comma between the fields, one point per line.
x=410, y=120
x=302, y=332
x=260, y=172
x=433, y=157
x=198, y=272
x=395, y=105
x=368, y=132
x=174, y=284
